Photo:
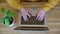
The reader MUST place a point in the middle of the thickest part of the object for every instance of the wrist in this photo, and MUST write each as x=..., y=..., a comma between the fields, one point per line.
x=22, y=9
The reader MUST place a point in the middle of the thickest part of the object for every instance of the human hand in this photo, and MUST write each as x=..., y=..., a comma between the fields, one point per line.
x=25, y=13
x=40, y=15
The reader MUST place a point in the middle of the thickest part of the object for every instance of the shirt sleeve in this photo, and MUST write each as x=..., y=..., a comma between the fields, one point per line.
x=14, y=4
x=50, y=4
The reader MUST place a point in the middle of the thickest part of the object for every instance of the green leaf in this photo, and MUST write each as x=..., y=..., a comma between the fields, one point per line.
x=9, y=13
x=7, y=22
x=9, y=18
x=3, y=11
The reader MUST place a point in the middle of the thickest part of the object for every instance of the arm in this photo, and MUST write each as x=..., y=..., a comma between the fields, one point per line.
x=50, y=4
x=14, y=4
x=46, y=7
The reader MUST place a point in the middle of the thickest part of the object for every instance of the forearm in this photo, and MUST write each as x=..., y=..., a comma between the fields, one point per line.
x=14, y=4
x=50, y=4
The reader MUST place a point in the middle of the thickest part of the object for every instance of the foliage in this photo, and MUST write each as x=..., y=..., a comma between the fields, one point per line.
x=7, y=16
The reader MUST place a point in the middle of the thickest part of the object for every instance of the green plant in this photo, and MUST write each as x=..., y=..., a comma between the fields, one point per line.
x=6, y=16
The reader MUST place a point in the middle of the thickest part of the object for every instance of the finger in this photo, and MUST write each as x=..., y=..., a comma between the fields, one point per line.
x=37, y=16
x=41, y=18
x=28, y=15
x=25, y=18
